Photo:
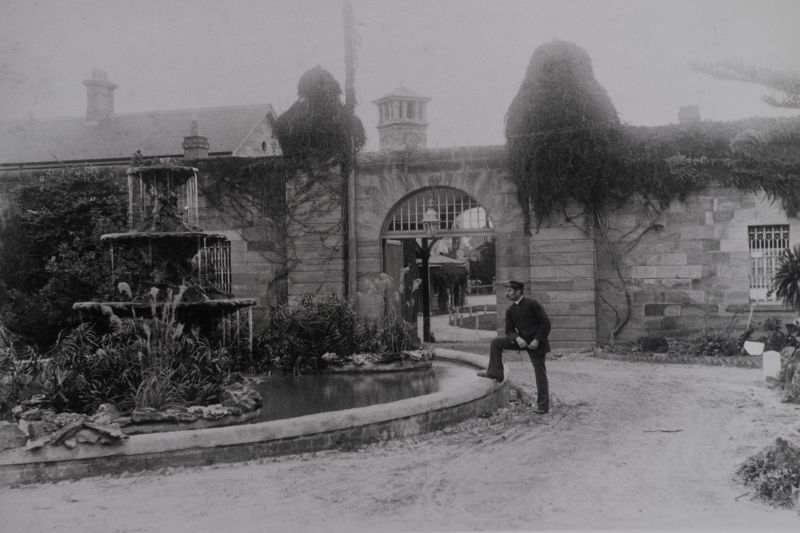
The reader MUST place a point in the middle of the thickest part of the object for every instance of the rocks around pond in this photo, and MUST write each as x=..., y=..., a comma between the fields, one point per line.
x=386, y=362
x=240, y=403
x=38, y=426
x=11, y=436
x=39, y=422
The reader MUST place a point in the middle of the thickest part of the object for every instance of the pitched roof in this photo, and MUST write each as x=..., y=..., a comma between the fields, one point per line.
x=155, y=134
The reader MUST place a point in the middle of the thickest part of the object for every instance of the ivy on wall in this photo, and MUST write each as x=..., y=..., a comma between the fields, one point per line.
x=287, y=196
x=566, y=145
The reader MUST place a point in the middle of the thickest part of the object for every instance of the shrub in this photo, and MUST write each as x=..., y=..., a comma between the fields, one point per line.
x=774, y=472
x=140, y=362
x=50, y=252
x=777, y=339
x=786, y=281
x=299, y=336
x=653, y=343
x=19, y=367
x=396, y=335
x=712, y=344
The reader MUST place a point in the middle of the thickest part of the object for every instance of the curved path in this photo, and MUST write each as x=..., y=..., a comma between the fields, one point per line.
x=626, y=446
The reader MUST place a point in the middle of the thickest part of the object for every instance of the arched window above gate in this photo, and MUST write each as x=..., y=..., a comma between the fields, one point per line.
x=457, y=212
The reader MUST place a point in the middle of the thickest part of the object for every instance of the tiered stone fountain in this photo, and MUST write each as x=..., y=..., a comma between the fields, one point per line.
x=168, y=250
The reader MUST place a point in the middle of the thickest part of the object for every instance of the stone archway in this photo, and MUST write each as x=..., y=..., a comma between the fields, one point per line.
x=385, y=179
x=435, y=230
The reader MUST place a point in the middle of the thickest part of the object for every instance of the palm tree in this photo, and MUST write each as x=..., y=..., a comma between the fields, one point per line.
x=786, y=281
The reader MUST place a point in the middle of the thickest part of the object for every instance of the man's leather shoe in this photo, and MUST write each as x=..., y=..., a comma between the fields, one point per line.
x=540, y=411
x=483, y=374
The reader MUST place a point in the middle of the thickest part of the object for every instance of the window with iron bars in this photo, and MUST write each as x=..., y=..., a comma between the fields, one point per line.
x=766, y=244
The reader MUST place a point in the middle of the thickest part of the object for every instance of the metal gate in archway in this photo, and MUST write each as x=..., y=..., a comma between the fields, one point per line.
x=410, y=232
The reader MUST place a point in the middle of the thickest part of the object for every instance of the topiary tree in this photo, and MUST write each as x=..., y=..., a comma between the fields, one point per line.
x=562, y=131
x=318, y=125
x=565, y=144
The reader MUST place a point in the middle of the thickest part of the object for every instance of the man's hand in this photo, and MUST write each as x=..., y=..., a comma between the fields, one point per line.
x=534, y=344
x=521, y=342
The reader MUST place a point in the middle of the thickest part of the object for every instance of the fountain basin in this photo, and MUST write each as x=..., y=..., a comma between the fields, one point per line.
x=459, y=396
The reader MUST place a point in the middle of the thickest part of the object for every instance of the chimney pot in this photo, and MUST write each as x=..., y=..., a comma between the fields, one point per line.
x=688, y=114
x=99, y=96
x=195, y=146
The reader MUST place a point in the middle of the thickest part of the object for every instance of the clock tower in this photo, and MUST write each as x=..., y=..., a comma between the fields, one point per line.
x=402, y=120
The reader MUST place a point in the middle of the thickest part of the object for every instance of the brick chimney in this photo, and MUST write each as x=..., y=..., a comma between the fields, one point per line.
x=99, y=96
x=688, y=114
x=195, y=146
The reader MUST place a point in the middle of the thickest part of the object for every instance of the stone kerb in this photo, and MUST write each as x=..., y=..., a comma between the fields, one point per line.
x=461, y=395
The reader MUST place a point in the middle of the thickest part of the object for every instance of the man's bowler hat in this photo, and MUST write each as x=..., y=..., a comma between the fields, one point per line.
x=516, y=285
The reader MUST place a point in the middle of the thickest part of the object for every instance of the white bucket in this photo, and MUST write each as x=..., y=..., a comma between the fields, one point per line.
x=771, y=364
x=753, y=348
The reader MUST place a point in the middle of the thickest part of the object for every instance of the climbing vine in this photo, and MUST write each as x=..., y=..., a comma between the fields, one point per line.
x=566, y=146
x=289, y=196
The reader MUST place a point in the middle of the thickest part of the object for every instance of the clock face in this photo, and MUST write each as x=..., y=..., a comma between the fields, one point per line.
x=412, y=139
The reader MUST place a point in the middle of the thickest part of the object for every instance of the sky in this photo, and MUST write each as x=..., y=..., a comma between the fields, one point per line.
x=468, y=56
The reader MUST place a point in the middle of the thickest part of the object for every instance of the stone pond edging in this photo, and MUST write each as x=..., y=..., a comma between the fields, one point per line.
x=460, y=397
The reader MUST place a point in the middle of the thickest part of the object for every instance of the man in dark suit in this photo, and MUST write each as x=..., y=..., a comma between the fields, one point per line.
x=527, y=328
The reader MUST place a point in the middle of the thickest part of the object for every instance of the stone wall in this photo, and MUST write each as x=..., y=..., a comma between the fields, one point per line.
x=275, y=257
x=315, y=237
x=690, y=272
x=556, y=264
x=687, y=272
x=562, y=278
x=254, y=259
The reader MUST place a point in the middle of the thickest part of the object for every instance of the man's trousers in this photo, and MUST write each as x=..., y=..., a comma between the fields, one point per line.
x=537, y=357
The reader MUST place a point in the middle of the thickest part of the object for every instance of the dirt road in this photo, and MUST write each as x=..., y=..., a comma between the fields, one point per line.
x=626, y=446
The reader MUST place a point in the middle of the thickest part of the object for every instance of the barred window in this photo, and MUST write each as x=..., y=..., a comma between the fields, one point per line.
x=766, y=244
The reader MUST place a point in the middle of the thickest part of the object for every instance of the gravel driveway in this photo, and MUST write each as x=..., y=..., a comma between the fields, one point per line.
x=626, y=446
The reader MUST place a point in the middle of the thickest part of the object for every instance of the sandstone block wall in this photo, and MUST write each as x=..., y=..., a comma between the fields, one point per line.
x=316, y=239
x=690, y=273
x=556, y=264
x=254, y=258
x=562, y=275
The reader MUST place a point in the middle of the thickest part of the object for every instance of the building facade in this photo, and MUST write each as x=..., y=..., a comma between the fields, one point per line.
x=702, y=262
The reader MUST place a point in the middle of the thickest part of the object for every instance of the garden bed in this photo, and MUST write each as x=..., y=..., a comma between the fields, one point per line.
x=742, y=361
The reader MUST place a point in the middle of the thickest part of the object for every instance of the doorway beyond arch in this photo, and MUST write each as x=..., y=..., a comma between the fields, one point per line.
x=429, y=239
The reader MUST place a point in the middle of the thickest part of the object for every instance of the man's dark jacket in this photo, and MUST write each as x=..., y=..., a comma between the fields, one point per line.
x=528, y=320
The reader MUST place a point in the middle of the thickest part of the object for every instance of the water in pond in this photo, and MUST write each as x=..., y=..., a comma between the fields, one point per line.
x=291, y=396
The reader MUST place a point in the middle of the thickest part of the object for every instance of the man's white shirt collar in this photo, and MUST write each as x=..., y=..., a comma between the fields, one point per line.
x=518, y=300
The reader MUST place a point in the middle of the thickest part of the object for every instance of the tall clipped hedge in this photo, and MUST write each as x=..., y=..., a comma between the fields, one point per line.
x=318, y=124
x=563, y=133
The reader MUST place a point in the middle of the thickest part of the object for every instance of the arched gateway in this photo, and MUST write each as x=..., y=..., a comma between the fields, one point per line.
x=439, y=228
x=392, y=194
